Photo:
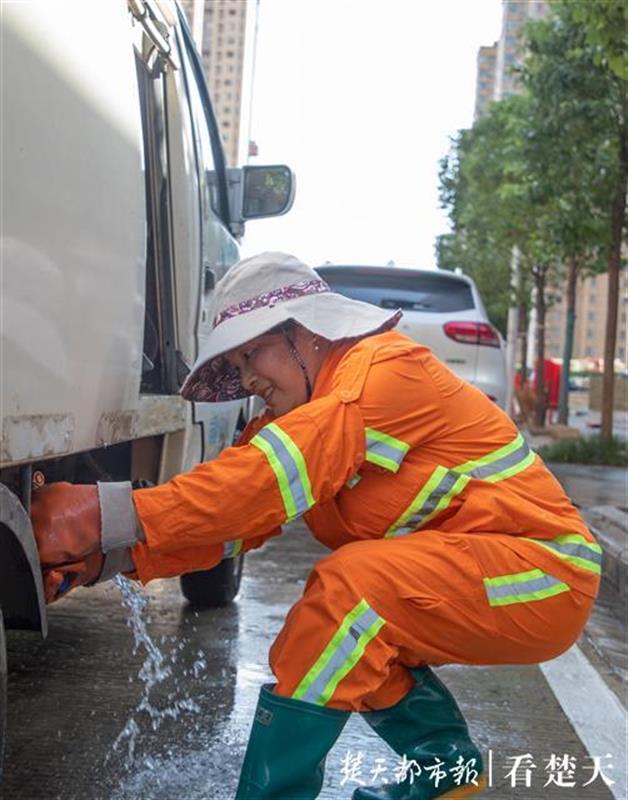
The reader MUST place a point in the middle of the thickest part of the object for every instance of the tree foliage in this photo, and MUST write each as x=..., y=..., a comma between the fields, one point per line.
x=605, y=25
x=543, y=170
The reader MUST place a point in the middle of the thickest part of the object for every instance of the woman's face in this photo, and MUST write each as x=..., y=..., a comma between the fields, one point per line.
x=269, y=369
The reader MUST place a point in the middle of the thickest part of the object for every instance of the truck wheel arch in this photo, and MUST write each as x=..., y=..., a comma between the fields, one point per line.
x=21, y=585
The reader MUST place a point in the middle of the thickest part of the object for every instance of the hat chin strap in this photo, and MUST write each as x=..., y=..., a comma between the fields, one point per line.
x=299, y=359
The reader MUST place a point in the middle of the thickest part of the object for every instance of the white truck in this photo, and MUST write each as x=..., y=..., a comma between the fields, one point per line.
x=118, y=217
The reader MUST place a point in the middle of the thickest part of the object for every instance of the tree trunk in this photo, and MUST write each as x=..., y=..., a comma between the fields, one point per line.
x=614, y=263
x=523, y=341
x=572, y=278
x=540, y=406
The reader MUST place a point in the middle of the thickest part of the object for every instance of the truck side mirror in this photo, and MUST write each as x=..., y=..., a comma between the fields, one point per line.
x=256, y=192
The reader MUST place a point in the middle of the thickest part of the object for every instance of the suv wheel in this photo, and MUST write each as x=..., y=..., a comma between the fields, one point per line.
x=213, y=587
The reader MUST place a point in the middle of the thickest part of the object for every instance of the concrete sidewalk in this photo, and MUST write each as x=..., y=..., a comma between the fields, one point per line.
x=593, y=485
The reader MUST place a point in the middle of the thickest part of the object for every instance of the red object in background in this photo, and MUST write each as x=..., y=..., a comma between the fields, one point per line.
x=551, y=376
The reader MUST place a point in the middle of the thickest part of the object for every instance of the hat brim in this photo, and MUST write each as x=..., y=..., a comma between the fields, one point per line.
x=330, y=315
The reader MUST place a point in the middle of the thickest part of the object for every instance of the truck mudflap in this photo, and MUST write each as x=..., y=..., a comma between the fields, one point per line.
x=21, y=584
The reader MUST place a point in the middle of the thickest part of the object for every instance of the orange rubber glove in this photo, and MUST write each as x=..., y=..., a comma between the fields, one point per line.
x=66, y=524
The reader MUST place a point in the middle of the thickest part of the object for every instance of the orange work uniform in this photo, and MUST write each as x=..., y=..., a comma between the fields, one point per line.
x=452, y=541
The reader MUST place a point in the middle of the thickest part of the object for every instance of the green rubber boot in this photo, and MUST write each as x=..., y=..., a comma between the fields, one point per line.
x=427, y=728
x=289, y=741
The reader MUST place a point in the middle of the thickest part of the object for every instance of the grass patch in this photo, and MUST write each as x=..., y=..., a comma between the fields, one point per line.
x=591, y=450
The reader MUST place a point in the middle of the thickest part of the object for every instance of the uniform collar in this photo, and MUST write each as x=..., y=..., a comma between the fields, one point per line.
x=324, y=379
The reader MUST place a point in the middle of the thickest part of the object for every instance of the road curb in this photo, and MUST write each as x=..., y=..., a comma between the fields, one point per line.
x=609, y=525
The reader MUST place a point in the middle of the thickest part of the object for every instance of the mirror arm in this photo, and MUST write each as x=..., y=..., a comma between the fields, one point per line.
x=235, y=190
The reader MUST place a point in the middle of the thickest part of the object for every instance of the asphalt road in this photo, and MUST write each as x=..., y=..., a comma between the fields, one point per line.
x=96, y=714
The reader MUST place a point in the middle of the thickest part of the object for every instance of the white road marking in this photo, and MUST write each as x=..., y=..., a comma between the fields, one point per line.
x=596, y=714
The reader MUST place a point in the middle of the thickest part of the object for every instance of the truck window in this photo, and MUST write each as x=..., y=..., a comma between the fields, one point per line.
x=208, y=144
x=159, y=368
x=218, y=249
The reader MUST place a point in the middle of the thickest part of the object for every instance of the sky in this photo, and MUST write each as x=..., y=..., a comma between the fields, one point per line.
x=360, y=98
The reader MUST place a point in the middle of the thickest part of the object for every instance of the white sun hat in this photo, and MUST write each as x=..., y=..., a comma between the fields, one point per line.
x=258, y=294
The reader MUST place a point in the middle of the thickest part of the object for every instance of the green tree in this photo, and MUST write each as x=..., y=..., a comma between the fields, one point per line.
x=577, y=71
x=476, y=179
x=546, y=171
x=605, y=25
x=493, y=182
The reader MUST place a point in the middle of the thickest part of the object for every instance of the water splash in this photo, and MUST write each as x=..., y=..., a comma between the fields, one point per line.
x=156, y=668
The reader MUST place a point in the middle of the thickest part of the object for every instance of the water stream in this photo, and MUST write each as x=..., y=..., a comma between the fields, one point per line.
x=155, y=670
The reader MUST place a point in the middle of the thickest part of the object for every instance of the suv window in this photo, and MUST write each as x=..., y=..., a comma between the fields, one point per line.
x=406, y=289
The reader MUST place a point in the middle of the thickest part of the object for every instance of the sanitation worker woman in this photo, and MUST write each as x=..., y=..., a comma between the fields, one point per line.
x=452, y=543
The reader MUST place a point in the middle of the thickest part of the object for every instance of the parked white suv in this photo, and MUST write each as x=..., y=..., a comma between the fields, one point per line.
x=442, y=310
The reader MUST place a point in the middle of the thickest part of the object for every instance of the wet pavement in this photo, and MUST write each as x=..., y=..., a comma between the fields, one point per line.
x=593, y=485
x=74, y=696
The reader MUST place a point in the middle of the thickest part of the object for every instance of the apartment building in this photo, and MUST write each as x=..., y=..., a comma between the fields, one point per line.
x=495, y=79
x=485, y=82
x=590, y=325
x=223, y=26
x=516, y=13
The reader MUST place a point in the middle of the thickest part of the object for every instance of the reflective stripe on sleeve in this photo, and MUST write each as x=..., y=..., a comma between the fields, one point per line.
x=522, y=587
x=500, y=464
x=288, y=464
x=341, y=655
x=575, y=549
x=232, y=549
x=385, y=450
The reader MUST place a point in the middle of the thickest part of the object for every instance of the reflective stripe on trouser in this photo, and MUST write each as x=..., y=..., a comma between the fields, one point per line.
x=341, y=655
x=428, y=587
x=446, y=483
x=384, y=450
x=533, y=585
x=575, y=549
x=232, y=549
x=287, y=462
x=522, y=587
